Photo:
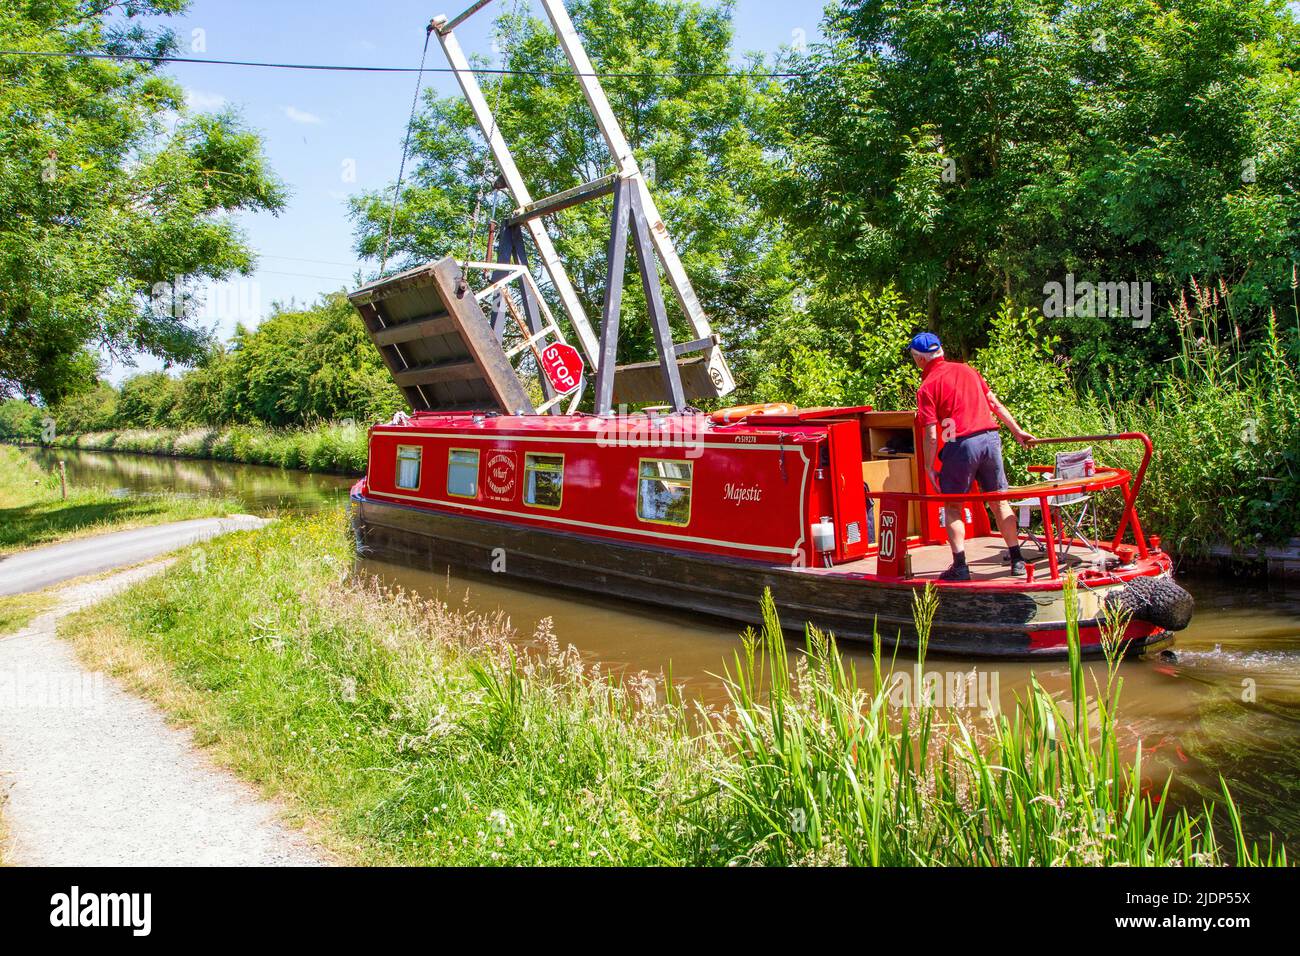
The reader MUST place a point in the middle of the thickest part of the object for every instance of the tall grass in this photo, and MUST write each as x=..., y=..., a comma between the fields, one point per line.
x=328, y=447
x=821, y=771
x=419, y=732
x=1226, y=428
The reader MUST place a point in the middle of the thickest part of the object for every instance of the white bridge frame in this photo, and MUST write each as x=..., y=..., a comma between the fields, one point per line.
x=633, y=205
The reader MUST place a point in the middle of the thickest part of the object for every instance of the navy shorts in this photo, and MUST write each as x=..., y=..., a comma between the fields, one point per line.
x=976, y=457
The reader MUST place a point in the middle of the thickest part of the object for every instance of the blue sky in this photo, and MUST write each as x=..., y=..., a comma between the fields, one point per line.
x=332, y=134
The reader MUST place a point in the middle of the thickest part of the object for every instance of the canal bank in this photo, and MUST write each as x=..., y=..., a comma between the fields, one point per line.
x=1230, y=703
x=41, y=504
x=416, y=731
x=331, y=447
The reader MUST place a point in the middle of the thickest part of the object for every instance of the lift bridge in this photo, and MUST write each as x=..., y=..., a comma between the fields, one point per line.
x=447, y=353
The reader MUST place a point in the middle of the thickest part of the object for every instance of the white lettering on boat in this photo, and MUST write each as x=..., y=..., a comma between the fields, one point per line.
x=741, y=494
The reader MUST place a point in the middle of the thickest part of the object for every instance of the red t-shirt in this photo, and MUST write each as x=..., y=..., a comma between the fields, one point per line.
x=956, y=392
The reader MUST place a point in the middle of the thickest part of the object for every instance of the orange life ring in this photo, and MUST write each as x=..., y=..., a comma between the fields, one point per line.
x=729, y=416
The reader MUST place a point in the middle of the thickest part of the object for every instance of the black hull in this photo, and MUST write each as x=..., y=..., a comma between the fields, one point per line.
x=968, y=623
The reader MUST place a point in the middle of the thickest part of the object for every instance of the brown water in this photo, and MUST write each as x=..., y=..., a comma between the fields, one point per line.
x=1229, y=704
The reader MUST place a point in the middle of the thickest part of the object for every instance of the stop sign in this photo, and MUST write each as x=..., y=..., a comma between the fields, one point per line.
x=563, y=366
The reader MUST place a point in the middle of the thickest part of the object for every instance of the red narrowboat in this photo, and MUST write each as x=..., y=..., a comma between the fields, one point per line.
x=700, y=512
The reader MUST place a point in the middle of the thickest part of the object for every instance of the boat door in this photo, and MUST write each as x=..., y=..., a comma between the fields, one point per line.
x=848, y=499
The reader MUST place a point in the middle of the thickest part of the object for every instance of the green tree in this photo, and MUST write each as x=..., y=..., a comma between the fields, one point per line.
x=20, y=420
x=300, y=367
x=148, y=400
x=971, y=152
x=701, y=132
x=110, y=189
x=91, y=410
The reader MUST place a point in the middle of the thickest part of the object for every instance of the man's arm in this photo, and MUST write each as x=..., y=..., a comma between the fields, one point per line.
x=930, y=441
x=1002, y=412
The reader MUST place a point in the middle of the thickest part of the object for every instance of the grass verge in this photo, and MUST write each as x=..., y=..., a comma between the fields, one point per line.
x=33, y=511
x=406, y=731
x=19, y=610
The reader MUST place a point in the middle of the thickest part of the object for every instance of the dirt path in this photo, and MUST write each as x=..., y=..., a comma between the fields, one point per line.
x=95, y=777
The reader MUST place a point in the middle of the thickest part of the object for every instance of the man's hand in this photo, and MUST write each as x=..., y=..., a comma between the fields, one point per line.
x=934, y=477
x=1023, y=438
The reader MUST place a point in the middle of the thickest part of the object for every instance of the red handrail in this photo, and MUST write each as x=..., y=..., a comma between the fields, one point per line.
x=1105, y=478
x=1130, y=492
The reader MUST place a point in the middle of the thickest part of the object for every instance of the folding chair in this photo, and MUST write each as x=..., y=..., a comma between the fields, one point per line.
x=1070, y=511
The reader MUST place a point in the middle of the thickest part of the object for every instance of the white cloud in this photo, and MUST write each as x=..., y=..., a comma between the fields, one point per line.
x=301, y=116
x=200, y=101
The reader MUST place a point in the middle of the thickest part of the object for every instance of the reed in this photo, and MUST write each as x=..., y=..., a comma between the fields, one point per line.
x=821, y=772
x=1226, y=427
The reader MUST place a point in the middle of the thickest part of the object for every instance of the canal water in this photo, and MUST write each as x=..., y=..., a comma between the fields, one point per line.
x=1228, y=704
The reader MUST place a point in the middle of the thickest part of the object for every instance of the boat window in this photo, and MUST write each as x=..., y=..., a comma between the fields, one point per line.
x=543, y=480
x=408, y=466
x=462, y=473
x=664, y=491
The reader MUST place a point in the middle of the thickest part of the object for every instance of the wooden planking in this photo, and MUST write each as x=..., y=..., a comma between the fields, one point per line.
x=437, y=343
x=644, y=381
x=419, y=329
x=453, y=370
x=391, y=355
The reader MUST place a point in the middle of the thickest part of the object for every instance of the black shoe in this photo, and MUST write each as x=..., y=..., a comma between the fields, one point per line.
x=958, y=572
x=1018, y=569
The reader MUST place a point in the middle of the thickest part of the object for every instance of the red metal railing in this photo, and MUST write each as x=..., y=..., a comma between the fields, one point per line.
x=1104, y=478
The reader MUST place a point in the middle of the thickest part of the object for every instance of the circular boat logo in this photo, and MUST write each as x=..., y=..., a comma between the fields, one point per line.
x=502, y=475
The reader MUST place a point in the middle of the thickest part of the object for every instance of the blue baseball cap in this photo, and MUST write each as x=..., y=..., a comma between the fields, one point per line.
x=927, y=343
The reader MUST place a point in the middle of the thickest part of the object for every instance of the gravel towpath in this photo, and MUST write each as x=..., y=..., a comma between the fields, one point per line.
x=94, y=776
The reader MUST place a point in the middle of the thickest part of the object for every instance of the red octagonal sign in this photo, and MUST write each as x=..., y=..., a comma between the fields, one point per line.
x=563, y=366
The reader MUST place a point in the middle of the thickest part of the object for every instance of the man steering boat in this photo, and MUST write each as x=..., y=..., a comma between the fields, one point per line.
x=955, y=404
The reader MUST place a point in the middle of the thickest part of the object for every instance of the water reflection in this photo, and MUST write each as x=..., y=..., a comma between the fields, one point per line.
x=258, y=489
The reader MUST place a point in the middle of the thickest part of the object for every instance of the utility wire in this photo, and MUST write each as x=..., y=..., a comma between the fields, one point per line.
x=406, y=146
x=331, y=67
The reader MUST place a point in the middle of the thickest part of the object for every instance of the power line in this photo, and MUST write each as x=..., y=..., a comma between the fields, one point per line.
x=333, y=67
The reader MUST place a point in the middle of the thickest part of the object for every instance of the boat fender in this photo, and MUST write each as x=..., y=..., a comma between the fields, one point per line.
x=1157, y=601
x=729, y=416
